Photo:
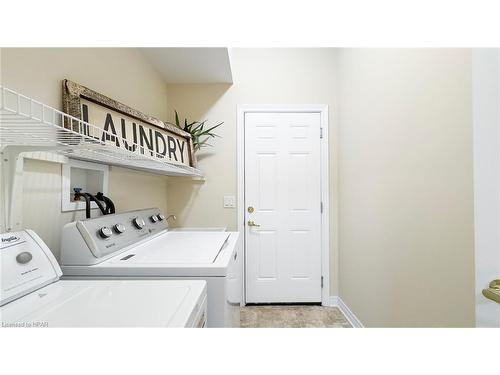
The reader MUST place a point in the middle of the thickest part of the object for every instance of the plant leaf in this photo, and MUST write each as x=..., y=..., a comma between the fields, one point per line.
x=177, y=119
x=204, y=143
x=200, y=126
x=213, y=127
x=188, y=127
x=197, y=131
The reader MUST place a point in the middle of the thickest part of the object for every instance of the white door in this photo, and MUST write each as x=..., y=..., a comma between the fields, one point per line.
x=282, y=198
x=486, y=125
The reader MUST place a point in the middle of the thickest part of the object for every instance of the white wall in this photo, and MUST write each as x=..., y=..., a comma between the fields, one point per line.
x=122, y=74
x=486, y=64
x=405, y=186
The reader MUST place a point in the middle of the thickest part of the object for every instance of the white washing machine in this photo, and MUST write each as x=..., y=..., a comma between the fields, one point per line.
x=32, y=295
x=138, y=245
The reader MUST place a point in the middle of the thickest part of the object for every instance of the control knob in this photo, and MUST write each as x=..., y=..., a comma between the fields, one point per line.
x=119, y=228
x=105, y=232
x=160, y=217
x=138, y=223
x=153, y=218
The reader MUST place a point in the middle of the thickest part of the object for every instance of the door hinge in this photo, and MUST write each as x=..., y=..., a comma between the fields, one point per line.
x=321, y=281
x=320, y=133
x=321, y=207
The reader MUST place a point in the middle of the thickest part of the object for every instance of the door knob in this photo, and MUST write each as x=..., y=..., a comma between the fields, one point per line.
x=493, y=292
x=252, y=224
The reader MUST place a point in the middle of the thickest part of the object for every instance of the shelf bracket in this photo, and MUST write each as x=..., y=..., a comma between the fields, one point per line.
x=11, y=175
x=11, y=188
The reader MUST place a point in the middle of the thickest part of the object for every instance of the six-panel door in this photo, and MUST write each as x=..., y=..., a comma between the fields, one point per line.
x=282, y=186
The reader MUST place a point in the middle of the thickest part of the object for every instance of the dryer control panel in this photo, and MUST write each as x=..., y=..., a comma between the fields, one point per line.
x=27, y=264
x=91, y=241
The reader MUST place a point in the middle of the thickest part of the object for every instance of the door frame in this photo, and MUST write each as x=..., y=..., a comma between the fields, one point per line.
x=322, y=109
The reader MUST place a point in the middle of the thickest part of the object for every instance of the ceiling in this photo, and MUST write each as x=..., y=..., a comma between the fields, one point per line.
x=191, y=65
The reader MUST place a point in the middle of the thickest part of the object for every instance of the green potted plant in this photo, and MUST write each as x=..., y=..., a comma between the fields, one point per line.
x=199, y=133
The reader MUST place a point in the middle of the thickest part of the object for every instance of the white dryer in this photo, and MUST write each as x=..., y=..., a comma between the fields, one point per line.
x=138, y=245
x=33, y=296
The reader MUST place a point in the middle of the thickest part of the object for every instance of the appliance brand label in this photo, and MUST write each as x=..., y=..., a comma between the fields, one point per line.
x=10, y=239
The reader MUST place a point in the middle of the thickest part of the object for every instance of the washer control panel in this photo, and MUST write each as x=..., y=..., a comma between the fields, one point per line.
x=110, y=233
x=26, y=264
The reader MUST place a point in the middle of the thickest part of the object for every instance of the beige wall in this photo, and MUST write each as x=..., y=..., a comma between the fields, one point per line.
x=400, y=137
x=261, y=76
x=405, y=186
x=122, y=74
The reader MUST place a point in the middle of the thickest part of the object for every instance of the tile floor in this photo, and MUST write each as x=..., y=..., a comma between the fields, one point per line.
x=292, y=316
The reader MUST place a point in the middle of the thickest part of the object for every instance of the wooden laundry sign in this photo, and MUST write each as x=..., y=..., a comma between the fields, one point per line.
x=125, y=127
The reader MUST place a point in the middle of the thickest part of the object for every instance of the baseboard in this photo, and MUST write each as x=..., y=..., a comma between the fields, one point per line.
x=336, y=301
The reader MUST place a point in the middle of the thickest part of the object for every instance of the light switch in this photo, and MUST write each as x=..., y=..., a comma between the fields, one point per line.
x=229, y=201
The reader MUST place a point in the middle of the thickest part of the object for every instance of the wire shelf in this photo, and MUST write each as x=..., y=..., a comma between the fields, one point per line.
x=25, y=122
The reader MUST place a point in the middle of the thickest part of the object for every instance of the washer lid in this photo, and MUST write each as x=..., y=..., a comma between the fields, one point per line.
x=103, y=303
x=177, y=248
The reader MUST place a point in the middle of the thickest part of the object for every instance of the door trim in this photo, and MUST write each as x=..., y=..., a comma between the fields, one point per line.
x=322, y=109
